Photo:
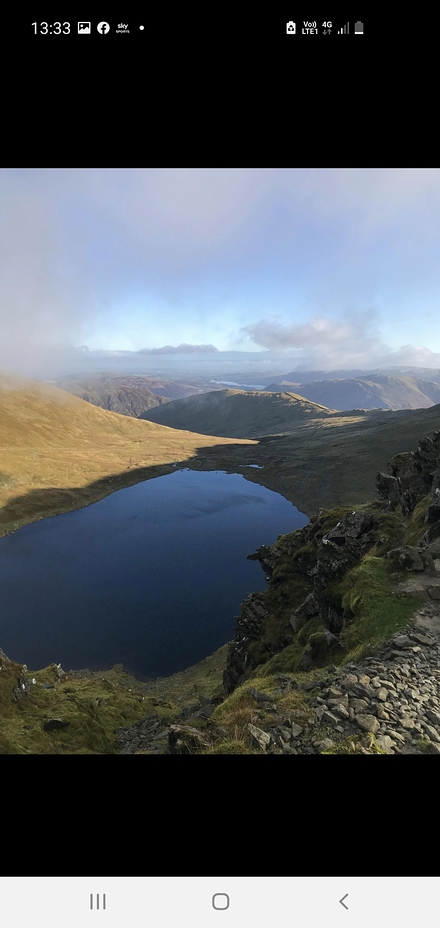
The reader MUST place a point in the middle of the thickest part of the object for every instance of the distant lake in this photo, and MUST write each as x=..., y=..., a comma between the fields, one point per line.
x=242, y=386
x=150, y=577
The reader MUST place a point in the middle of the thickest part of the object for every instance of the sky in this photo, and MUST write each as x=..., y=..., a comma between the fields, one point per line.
x=327, y=268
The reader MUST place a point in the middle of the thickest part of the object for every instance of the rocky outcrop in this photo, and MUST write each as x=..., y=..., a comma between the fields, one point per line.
x=337, y=552
x=19, y=682
x=409, y=558
x=268, y=556
x=248, y=629
x=411, y=477
x=323, y=558
x=304, y=612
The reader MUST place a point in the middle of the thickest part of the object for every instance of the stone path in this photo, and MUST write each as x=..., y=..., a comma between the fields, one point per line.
x=395, y=695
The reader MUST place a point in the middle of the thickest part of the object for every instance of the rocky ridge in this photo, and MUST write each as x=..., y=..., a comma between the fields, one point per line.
x=322, y=553
x=389, y=703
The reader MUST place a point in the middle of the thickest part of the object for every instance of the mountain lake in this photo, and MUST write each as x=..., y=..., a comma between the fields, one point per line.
x=151, y=577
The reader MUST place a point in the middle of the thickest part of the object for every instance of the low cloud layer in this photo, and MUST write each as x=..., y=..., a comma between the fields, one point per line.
x=123, y=259
x=180, y=349
x=328, y=344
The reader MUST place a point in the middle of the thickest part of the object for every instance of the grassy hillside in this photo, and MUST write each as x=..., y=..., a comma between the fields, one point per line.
x=236, y=413
x=333, y=461
x=59, y=453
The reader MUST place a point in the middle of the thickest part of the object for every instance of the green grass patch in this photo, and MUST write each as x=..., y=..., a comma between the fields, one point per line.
x=287, y=660
x=230, y=747
x=90, y=709
x=417, y=525
x=378, y=610
x=391, y=532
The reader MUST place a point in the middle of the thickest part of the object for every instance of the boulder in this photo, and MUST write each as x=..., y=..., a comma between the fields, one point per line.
x=260, y=697
x=259, y=737
x=55, y=725
x=331, y=640
x=352, y=525
x=185, y=740
x=434, y=548
x=432, y=513
x=22, y=687
x=406, y=558
x=304, y=612
x=388, y=489
x=410, y=558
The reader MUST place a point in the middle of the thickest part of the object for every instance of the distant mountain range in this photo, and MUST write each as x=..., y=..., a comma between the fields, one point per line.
x=371, y=392
x=129, y=395
x=299, y=376
x=138, y=394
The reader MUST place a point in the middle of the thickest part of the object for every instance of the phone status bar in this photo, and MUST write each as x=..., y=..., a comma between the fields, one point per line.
x=328, y=27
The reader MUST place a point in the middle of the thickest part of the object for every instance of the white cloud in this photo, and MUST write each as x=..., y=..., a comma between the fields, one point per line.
x=327, y=344
x=76, y=245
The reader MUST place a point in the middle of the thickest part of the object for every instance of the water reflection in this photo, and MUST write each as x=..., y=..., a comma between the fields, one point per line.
x=151, y=577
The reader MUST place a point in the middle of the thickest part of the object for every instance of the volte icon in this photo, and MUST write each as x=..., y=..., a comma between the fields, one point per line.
x=96, y=902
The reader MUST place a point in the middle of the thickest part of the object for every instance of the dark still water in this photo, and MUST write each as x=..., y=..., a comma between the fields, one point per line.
x=150, y=577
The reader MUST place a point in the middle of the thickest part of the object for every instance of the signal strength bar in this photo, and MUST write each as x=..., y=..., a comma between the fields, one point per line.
x=345, y=30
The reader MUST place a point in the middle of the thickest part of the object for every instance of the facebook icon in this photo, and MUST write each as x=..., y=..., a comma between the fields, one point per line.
x=103, y=28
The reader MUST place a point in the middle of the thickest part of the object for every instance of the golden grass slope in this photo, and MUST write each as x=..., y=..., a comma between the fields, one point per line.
x=238, y=413
x=58, y=452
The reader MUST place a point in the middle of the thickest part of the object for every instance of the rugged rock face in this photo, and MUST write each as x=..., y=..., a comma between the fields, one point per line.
x=323, y=557
x=323, y=561
x=411, y=477
x=249, y=625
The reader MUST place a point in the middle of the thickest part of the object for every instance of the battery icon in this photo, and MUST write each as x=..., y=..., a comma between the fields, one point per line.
x=358, y=28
